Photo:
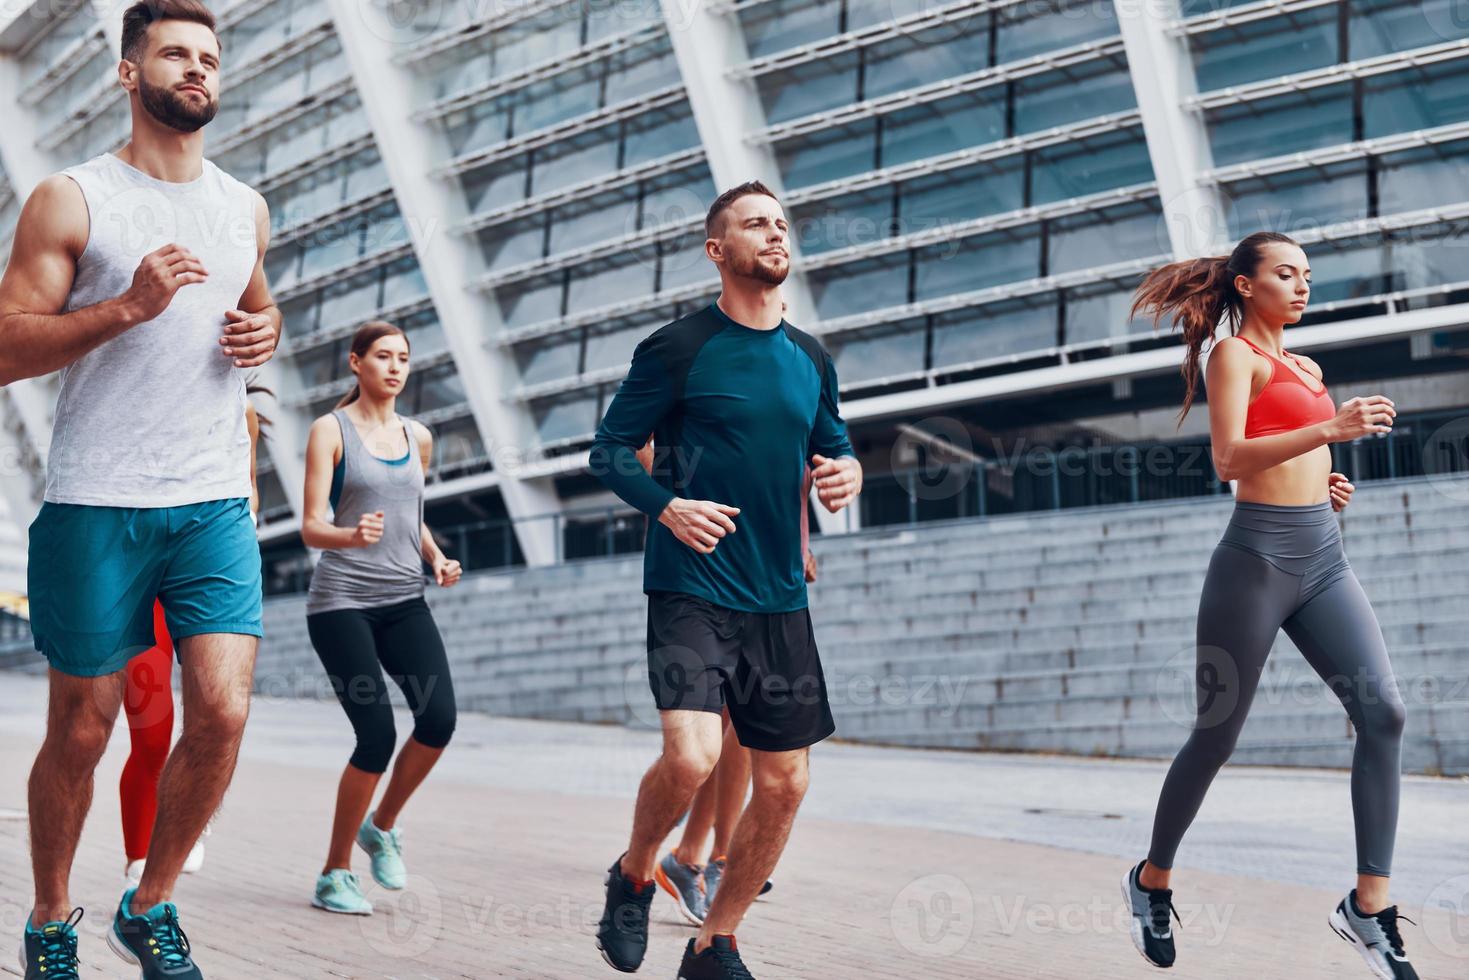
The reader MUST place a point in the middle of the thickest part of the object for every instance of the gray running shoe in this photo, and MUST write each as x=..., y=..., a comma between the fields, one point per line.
x=684, y=883
x=1376, y=937
x=1152, y=931
x=713, y=874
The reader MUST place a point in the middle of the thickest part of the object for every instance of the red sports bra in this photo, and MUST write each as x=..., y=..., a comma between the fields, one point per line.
x=1286, y=402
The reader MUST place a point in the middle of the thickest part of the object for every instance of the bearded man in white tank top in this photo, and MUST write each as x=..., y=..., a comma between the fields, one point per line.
x=140, y=277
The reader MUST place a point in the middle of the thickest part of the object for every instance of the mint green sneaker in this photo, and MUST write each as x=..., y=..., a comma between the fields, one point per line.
x=339, y=891
x=385, y=847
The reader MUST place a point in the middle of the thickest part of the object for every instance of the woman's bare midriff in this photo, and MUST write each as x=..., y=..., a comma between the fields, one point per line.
x=1294, y=483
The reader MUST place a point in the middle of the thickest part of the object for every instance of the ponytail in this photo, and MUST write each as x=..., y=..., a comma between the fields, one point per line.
x=1196, y=295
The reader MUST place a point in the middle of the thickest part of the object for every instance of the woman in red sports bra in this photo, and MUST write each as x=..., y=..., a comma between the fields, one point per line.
x=1279, y=565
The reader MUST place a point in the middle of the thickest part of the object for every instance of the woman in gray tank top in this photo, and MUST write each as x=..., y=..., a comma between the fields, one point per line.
x=365, y=609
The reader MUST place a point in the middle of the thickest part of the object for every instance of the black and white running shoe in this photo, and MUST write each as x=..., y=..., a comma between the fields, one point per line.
x=1152, y=931
x=1376, y=937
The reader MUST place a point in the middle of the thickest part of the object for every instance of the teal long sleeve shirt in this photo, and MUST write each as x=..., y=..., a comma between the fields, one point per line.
x=735, y=414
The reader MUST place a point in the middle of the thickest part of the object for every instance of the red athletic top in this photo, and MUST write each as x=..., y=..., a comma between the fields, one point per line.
x=1287, y=402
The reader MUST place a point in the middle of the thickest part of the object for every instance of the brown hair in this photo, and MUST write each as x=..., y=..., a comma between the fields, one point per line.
x=1198, y=293
x=254, y=388
x=724, y=200
x=367, y=335
x=140, y=16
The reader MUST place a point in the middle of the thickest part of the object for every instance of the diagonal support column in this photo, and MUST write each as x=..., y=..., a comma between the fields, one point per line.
x=1162, y=73
x=410, y=150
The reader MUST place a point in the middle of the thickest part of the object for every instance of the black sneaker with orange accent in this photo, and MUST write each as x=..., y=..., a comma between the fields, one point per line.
x=721, y=961
x=622, y=935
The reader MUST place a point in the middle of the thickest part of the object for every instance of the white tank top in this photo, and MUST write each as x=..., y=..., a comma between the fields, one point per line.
x=155, y=417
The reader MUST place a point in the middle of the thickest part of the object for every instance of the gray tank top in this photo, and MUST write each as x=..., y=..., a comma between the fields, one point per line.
x=155, y=417
x=392, y=569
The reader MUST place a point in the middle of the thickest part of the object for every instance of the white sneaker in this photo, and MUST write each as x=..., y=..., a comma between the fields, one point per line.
x=195, y=860
x=134, y=872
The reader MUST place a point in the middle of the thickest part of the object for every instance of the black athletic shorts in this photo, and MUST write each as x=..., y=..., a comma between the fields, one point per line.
x=763, y=666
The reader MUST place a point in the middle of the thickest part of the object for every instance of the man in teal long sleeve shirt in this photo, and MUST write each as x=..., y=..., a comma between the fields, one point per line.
x=738, y=401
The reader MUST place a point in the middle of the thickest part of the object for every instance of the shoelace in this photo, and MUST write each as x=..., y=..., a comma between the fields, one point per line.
x=637, y=918
x=168, y=936
x=60, y=949
x=1160, y=903
x=734, y=967
x=1388, y=919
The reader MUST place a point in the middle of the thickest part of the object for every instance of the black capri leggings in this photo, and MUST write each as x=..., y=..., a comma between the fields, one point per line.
x=1279, y=566
x=356, y=644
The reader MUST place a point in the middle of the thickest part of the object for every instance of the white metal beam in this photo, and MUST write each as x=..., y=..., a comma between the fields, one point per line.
x=391, y=94
x=1178, y=141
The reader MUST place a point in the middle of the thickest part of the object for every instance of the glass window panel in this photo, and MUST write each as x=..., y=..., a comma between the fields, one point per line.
x=283, y=266
x=994, y=331
x=575, y=226
x=1297, y=202
x=859, y=287
x=1101, y=315
x=853, y=219
x=652, y=140
x=866, y=13
x=477, y=127
x=332, y=248
x=367, y=179
x=573, y=167
x=1024, y=31
x=553, y=102
x=566, y=419
x=522, y=305
x=508, y=245
x=880, y=353
x=613, y=285
x=1266, y=48
x=683, y=266
x=976, y=263
x=344, y=303
x=492, y=188
x=809, y=88
x=785, y=24
x=1338, y=274
x=299, y=315
x=608, y=350
x=1416, y=99
x=535, y=41
x=645, y=69
x=1423, y=179
x=1091, y=240
x=942, y=127
x=959, y=195
x=1289, y=124
x=404, y=284
x=608, y=19
x=439, y=387
x=828, y=155
x=1379, y=27
x=1100, y=88
x=928, y=56
x=1090, y=167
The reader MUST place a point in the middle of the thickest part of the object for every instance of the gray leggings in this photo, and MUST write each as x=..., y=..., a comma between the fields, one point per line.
x=1276, y=567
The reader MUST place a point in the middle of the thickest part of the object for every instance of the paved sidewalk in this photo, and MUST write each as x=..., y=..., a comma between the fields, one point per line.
x=904, y=864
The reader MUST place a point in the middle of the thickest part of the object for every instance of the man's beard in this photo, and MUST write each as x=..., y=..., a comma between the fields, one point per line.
x=755, y=268
x=174, y=109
